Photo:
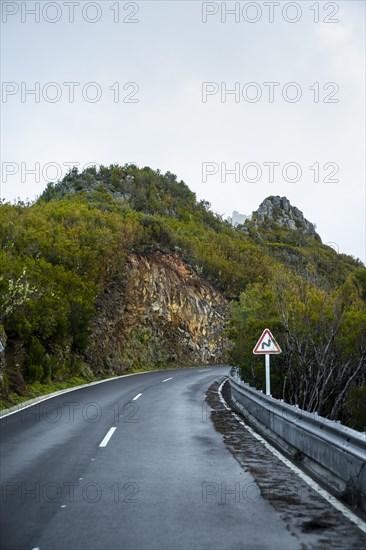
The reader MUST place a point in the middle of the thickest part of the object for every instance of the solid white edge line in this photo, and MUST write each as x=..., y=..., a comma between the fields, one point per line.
x=166, y=379
x=82, y=386
x=313, y=484
x=137, y=396
x=107, y=437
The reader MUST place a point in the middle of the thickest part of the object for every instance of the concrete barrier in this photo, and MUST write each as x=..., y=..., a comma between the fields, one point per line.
x=333, y=453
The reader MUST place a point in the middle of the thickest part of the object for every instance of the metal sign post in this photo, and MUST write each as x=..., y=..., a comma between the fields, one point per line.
x=268, y=377
x=267, y=346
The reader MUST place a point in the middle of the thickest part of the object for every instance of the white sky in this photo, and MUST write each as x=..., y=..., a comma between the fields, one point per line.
x=169, y=53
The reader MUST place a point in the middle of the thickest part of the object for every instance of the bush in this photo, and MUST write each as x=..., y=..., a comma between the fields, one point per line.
x=356, y=408
x=37, y=360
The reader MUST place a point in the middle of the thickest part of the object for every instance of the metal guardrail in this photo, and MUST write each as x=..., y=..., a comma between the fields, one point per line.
x=335, y=453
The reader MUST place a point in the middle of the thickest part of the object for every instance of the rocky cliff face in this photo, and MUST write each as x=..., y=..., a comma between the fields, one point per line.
x=280, y=211
x=163, y=314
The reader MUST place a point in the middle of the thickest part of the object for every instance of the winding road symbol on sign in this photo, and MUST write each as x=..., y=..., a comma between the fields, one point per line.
x=266, y=344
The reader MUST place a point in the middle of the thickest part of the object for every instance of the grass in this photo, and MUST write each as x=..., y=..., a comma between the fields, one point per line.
x=37, y=389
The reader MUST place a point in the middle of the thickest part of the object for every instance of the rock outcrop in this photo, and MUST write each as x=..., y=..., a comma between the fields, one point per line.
x=163, y=314
x=280, y=211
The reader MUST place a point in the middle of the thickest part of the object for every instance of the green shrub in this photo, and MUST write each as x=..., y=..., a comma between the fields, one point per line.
x=356, y=408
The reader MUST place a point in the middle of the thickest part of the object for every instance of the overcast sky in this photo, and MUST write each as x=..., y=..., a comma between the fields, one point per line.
x=151, y=85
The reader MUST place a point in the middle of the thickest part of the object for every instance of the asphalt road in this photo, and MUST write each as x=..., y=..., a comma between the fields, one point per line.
x=162, y=479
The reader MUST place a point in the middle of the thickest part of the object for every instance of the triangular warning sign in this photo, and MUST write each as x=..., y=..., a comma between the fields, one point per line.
x=266, y=344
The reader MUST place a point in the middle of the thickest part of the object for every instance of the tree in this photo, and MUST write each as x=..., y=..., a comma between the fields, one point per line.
x=322, y=335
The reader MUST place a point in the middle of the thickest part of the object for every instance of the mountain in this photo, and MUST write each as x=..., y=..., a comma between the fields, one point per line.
x=121, y=268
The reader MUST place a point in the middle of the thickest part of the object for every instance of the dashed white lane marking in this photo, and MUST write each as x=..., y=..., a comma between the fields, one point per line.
x=107, y=437
x=137, y=396
x=313, y=484
x=204, y=370
x=166, y=379
x=63, y=506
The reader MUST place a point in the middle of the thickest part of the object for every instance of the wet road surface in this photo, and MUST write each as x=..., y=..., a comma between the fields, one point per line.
x=152, y=461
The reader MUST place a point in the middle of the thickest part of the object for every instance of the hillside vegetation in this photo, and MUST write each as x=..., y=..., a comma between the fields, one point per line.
x=62, y=254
